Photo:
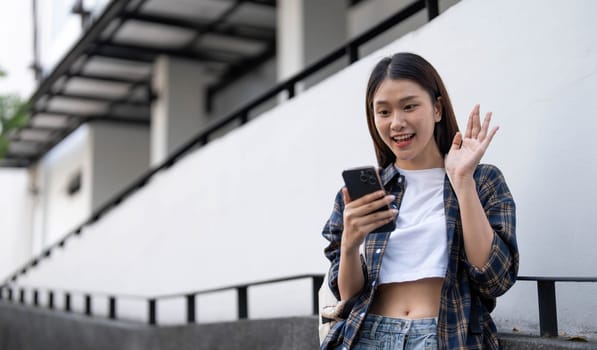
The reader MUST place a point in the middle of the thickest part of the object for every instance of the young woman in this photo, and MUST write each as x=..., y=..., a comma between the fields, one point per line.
x=432, y=282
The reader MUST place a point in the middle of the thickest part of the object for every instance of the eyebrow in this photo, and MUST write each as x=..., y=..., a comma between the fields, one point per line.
x=402, y=100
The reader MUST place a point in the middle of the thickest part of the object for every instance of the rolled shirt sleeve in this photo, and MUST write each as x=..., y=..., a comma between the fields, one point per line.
x=501, y=269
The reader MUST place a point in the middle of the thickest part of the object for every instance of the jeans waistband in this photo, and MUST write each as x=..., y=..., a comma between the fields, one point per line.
x=377, y=323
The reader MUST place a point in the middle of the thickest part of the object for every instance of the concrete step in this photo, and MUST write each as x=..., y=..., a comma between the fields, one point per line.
x=29, y=328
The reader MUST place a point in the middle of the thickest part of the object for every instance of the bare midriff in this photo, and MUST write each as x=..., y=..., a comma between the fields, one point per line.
x=409, y=300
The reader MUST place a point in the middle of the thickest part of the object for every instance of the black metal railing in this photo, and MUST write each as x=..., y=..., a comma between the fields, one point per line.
x=7, y=293
x=546, y=295
x=349, y=50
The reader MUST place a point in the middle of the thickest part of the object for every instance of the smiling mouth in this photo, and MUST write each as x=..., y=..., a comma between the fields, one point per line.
x=402, y=138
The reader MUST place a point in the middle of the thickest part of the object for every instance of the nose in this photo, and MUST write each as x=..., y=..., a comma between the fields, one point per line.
x=397, y=121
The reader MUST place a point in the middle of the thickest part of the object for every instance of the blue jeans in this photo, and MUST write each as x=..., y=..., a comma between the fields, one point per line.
x=387, y=333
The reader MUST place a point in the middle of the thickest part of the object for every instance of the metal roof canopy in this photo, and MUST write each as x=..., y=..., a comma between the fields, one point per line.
x=107, y=74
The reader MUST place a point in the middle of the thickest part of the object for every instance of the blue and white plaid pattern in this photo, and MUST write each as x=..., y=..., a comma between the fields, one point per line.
x=468, y=293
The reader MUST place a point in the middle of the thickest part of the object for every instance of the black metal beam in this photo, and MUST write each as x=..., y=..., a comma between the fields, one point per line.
x=41, y=128
x=141, y=51
x=95, y=98
x=103, y=116
x=105, y=78
x=263, y=33
x=128, y=56
x=268, y=3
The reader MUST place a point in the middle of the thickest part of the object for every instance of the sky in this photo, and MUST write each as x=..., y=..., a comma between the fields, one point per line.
x=16, y=48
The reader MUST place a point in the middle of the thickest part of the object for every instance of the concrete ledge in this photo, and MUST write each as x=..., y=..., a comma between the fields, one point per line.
x=28, y=328
x=524, y=342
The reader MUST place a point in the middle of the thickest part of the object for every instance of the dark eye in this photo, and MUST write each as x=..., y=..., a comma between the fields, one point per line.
x=410, y=107
x=383, y=112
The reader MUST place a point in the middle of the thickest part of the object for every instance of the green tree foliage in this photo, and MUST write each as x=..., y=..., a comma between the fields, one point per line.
x=13, y=115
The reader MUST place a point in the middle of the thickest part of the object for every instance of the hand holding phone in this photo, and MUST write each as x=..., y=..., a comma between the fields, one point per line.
x=363, y=181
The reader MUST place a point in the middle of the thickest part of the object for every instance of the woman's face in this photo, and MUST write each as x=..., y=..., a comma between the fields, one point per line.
x=405, y=118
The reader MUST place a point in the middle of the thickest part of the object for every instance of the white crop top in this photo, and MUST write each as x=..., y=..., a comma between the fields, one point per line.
x=418, y=248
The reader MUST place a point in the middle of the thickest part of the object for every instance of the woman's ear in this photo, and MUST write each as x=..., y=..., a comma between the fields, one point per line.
x=437, y=109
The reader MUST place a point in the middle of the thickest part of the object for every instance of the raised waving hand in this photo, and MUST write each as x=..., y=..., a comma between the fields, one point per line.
x=466, y=151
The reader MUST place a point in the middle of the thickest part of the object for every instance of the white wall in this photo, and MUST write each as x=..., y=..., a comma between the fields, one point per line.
x=60, y=212
x=15, y=202
x=368, y=14
x=251, y=205
x=120, y=154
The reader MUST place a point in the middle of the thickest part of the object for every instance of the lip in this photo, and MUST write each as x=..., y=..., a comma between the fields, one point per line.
x=403, y=140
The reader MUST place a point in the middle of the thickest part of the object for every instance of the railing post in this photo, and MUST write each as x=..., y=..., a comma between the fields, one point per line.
x=290, y=89
x=112, y=308
x=353, y=53
x=191, y=308
x=67, y=306
x=35, y=297
x=151, y=312
x=243, y=310
x=87, y=304
x=317, y=282
x=432, y=9
x=244, y=117
x=50, y=300
x=548, y=318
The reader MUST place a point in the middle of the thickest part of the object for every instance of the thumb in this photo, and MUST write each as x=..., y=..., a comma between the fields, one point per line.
x=345, y=195
x=457, y=141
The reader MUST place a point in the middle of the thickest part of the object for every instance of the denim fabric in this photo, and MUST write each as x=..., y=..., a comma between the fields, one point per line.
x=386, y=333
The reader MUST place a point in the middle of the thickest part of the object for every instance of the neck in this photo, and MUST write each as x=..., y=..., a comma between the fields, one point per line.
x=433, y=160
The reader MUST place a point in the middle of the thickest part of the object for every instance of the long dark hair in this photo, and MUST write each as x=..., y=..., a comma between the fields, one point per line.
x=415, y=68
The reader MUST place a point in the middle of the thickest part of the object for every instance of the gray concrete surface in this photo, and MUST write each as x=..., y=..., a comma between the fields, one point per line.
x=28, y=328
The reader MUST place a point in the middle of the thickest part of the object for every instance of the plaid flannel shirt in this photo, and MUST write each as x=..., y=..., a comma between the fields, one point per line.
x=468, y=293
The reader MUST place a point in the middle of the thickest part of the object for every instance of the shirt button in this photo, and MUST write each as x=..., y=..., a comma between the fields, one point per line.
x=373, y=284
x=362, y=314
x=378, y=251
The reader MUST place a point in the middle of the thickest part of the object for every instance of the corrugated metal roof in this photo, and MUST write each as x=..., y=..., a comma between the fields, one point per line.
x=107, y=73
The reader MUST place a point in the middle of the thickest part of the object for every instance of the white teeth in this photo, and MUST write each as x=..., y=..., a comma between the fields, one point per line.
x=402, y=138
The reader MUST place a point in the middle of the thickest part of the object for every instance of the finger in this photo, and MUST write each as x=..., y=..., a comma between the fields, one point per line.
x=377, y=223
x=457, y=141
x=490, y=136
x=371, y=207
x=469, y=124
x=368, y=198
x=476, y=122
x=485, y=126
x=361, y=223
x=376, y=216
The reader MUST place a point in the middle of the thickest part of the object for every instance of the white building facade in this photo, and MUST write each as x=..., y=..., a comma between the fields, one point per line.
x=250, y=204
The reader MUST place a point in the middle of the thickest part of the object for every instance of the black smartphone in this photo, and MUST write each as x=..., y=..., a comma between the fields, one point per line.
x=364, y=180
